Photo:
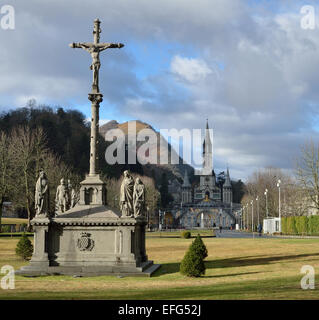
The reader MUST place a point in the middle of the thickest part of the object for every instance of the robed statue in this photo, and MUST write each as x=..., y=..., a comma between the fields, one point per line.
x=126, y=195
x=138, y=198
x=72, y=195
x=41, y=197
x=61, y=197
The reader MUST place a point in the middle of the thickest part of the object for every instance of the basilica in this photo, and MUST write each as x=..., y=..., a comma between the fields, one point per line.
x=207, y=204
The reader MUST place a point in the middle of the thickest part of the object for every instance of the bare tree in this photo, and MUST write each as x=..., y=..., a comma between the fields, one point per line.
x=22, y=155
x=307, y=172
x=28, y=150
x=5, y=170
x=291, y=193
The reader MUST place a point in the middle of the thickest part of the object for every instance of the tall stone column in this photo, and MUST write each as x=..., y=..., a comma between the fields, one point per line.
x=96, y=99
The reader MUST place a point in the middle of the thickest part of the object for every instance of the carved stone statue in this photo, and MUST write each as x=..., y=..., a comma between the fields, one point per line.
x=42, y=195
x=138, y=198
x=61, y=197
x=73, y=197
x=126, y=195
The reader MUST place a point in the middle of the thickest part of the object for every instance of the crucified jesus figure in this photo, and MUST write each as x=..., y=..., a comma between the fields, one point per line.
x=94, y=49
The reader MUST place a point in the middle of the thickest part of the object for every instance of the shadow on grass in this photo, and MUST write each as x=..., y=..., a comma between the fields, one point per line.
x=168, y=268
x=177, y=237
x=279, y=288
x=253, y=260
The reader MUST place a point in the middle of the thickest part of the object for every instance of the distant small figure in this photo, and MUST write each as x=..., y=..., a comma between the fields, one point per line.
x=220, y=229
x=260, y=228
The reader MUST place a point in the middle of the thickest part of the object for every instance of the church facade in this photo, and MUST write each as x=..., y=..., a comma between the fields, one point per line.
x=209, y=203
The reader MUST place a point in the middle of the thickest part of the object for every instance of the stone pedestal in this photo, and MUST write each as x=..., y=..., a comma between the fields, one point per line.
x=89, y=240
x=92, y=191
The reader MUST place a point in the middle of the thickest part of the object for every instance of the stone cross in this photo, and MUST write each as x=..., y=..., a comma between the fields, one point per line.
x=94, y=48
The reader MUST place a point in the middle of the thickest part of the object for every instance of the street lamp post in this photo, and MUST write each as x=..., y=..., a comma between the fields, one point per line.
x=244, y=217
x=247, y=204
x=279, y=204
x=148, y=217
x=159, y=220
x=252, y=216
x=266, y=194
x=257, y=210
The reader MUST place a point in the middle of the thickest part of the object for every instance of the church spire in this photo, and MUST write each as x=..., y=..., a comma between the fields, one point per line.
x=207, y=151
x=227, y=180
x=186, y=182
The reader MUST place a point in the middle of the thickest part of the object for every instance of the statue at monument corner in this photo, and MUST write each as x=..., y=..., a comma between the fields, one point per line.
x=61, y=197
x=138, y=198
x=126, y=195
x=41, y=197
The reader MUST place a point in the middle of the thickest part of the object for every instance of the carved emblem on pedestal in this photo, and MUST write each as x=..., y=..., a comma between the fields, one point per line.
x=85, y=243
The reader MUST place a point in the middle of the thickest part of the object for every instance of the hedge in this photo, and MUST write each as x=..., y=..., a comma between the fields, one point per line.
x=284, y=228
x=313, y=225
x=300, y=225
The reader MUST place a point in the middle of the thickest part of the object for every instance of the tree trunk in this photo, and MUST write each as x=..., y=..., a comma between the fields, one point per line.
x=26, y=184
x=1, y=210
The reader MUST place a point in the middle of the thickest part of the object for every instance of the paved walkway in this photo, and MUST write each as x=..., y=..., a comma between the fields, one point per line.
x=239, y=234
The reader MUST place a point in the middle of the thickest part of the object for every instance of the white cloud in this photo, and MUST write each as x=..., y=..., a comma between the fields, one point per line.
x=190, y=69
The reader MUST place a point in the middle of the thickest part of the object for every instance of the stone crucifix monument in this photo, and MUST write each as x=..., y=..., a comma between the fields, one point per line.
x=90, y=238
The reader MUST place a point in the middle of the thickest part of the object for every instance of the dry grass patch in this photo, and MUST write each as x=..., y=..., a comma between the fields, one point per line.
x=13, y=221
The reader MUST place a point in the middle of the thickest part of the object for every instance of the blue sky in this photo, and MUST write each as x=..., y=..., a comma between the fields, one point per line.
x=247, y=66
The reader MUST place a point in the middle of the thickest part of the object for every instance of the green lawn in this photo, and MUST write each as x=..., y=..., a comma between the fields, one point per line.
x=13, y=221
x=236, y=269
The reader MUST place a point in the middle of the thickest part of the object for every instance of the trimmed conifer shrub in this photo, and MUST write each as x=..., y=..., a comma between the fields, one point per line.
x=186, y=234
x=192, y=264
x=200, y=247
x=24, y=247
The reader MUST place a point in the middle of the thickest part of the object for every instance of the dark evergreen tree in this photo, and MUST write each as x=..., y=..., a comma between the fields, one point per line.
x=166, y=198
x=192, y=264
x=24, y=247
x=200, y=247
x=238, y=191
